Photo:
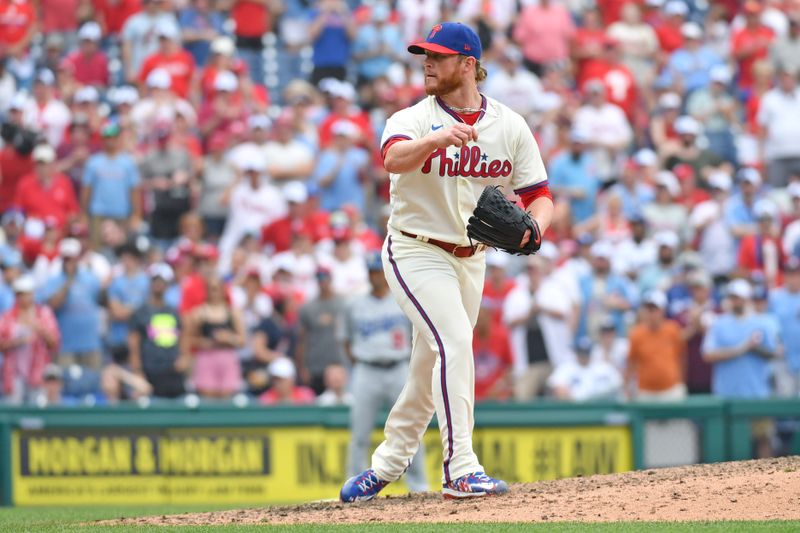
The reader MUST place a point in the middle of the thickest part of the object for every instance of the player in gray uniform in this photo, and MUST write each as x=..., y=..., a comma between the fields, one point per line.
x=378, y=342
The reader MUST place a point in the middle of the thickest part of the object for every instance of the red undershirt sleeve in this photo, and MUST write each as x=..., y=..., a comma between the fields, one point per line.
x=529, y=194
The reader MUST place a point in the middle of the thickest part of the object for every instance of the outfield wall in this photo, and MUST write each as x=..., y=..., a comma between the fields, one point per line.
x=224, y=454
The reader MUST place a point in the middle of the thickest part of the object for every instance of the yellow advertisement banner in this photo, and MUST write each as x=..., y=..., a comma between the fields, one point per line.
x=275, y=465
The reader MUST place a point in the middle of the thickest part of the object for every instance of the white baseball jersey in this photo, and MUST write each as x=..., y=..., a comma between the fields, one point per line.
x=437, y=200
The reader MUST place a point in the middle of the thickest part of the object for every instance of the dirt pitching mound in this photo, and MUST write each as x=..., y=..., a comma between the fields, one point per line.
x=748, y=490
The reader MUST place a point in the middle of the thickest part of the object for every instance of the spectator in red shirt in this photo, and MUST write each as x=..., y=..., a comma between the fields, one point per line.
x=13, y=164
x=171, y=57
x=193, y=289
x=252, y=20
x=61, y=16
x=493, y=359
x=46, y=193
x=761, y=253
x=342, y=96
x=497, y=285
x=619, y=82
x=284, y=389
x=112, y=14
x=300, y=219
x=221, y=60
x=224, y=112
x=587, y=44
x=669, y=31
x=18, y=25
x=751, y=43
x=90, y=64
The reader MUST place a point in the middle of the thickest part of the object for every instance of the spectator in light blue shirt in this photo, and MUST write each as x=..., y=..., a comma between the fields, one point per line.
x=739, y=345
x=630, y=189
x=692, y=64
x=340, y=168
x=73, y=294
x=572, y=176
x=126, y=293
x=377, y=45
x=739, y=212
x=784, y=303
x=11, y=263
x=200, y=25
x=111, y=183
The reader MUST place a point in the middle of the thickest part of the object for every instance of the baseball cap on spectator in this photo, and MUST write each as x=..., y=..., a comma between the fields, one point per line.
x=721, y=74
x=683, y=172
x=46, y=77
x=450, y=38
x=160, y=270
x=295, y=192
x=667, y=179
x=323, y=273
x=511, y=53
x=282, y=367
x=692, y=30
x=18, y=101
x=497, y=259
x=698, y=278
x=253, y=163
x=223, y=46
x=206, y=251
x=54, y=41
x=226, y=81
x=601, y=249
x=374, y=262
x=720, y=180
x=44, y=153
x=110, y=129
x=167, y=30
x=13, y=216
x=86, y=95
x=259, y=122
x=656, y=299
x=669, y=101
x=667, y=238
x=645, y=157
x=765, y=209
x=34, y=229
x=594, y=85
x=739, y=288
x=12, y=259
x=159, y=79
x=52, y=372
x=24, y=284
x=123, y=95
x=547, y=101
x=686, y=125
x=548, y=250
x=793, y=189
x=579, y=135
x=760, y=292
x=583, y=346
x=749, y=175
x=345, y=128
x=344, y=90
x=607, y=323
x=90, y=31
x=69, y=247
x=676, y=7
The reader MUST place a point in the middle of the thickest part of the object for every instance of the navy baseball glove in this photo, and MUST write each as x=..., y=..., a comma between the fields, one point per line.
x=501, y=224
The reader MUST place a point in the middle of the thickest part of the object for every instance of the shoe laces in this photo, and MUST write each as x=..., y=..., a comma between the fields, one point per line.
x=368, y=481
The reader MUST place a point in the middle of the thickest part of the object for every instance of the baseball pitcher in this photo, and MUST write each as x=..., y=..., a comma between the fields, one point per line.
x=449, y=157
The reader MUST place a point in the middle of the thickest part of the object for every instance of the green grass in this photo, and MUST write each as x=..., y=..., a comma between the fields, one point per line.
x=68, y=519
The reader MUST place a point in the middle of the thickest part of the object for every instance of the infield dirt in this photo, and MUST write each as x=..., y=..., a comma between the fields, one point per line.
x=767, y=489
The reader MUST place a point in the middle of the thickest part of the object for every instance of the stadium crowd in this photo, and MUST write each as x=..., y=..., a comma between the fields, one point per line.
x=192, y=197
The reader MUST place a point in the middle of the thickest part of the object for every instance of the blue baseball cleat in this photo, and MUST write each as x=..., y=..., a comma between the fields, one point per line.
x=474, y=485
x=362, y=487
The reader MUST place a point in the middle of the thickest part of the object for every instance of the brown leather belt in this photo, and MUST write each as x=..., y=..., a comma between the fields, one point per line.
x=454, y=249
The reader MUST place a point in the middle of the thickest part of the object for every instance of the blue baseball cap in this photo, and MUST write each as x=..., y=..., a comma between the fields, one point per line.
x=450, y=38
